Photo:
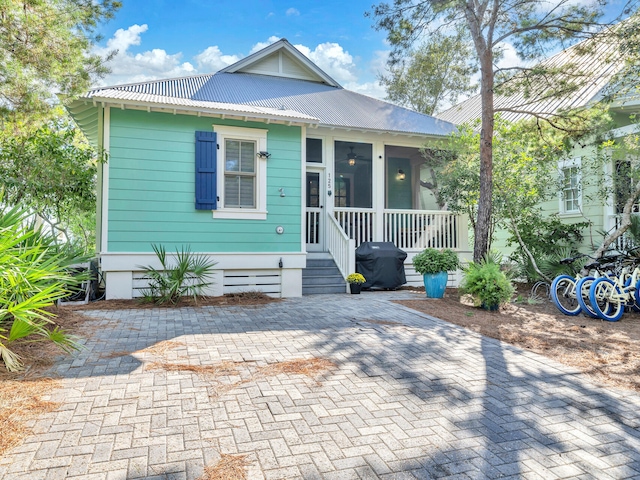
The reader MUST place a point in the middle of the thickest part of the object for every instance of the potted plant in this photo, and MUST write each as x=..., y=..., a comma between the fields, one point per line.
x=433, y=265
x=355, y=281
x=487, y=283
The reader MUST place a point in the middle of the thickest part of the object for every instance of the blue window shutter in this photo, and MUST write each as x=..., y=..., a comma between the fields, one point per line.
x=206, y=187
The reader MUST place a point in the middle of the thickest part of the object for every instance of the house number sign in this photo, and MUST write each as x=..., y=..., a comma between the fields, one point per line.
x=329, y=183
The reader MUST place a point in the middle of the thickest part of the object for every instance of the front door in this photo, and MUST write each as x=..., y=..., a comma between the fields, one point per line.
x=315, y=210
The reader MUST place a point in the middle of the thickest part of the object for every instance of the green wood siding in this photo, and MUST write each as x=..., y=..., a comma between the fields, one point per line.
x=592, y=210
x=152, y=188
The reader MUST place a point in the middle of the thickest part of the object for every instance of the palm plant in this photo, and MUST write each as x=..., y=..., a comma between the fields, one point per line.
x=187, y=277
x=34, y=276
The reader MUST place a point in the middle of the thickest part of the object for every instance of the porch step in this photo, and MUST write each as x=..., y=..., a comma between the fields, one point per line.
x=322, y=276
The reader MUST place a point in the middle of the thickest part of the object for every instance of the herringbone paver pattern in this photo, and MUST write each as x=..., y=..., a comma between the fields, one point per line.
x=410, y=397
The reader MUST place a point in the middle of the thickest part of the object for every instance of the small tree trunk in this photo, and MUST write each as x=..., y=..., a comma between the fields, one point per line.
x=483, y=223
x=525, y=249
x=624, y=224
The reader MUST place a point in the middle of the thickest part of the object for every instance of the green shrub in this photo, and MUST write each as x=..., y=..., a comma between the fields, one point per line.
x=431, y=260
x=188, y=277
x=34, y=275
x=486, y=282
x=545, y=237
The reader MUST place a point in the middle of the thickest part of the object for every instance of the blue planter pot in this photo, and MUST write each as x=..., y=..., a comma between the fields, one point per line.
x=435, y=284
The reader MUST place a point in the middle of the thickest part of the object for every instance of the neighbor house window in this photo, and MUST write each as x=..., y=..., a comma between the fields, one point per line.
x=242, y=175
x=570, y=200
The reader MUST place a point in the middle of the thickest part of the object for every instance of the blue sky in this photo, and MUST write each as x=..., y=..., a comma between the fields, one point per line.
x=165, y=38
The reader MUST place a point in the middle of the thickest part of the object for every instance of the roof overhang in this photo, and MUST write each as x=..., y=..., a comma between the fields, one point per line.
x=85, y=110
x=392, y=133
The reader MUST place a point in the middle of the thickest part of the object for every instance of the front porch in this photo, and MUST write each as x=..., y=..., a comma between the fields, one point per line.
x=376, y=188
x=410, y=230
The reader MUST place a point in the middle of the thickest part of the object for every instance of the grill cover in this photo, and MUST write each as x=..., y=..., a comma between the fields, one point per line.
x=382, y=264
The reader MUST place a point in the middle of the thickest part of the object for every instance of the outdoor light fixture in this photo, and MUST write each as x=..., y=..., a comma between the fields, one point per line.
x=351, y=157
x=401, y=175
x=264, y=155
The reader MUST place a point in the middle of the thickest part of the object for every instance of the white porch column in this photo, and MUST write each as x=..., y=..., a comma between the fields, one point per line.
x=378, y=190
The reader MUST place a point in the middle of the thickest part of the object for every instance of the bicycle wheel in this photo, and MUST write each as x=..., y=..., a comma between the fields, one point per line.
x=602, y=298
x=563, y=295
x=636, y=298
x=582, y=295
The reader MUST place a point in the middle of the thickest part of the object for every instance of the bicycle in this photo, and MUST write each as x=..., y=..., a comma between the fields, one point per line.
x=609, y=297
x=564, y=288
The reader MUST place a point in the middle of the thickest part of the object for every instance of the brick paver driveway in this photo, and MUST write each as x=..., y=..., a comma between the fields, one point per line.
x=410, y=397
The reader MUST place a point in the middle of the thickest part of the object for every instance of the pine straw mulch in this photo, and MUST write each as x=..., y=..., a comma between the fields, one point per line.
x=24, y=396
x=309, y=367
x=609, y=352
x=229, y=467
x=245, y=299
x=21, y=402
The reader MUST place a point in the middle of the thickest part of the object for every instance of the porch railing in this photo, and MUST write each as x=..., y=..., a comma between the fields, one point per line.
x=407, y=229
x=341, y=247
x=313, y=226
x=420, y=229
x=357, y=224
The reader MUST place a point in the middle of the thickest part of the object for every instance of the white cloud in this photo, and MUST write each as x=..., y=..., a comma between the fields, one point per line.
x=260, y=45
x=149, y=65
x=211, y=59
x=378, y=64
x=333, y=59
x=292, y=12
x=509, y=56
x=128, y=67
x=371, y=89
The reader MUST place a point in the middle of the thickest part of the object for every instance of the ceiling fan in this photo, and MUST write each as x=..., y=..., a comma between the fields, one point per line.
x=351, y=157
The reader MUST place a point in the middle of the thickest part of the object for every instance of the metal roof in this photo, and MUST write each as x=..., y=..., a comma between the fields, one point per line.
x=314, y=102
x=596, y=67
x=222, y=107
x=307, y=97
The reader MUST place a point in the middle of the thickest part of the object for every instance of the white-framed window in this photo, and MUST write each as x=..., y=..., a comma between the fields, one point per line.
x=314, y=150
x=242, y=174
x=570, y=188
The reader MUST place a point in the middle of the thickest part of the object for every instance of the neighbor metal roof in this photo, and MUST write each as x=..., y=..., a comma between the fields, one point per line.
x=597, y=66
x=312, y=102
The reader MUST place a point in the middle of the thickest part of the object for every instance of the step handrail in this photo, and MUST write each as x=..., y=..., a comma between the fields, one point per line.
x=341, y=247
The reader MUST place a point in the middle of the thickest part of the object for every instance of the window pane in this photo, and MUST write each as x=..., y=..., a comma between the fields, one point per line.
x=353, y=164
x=232, y=156
x=571, y=189
x=314, y=150
x=246, y=191
x=239, y=191
x=231, y=191
x=248, y=157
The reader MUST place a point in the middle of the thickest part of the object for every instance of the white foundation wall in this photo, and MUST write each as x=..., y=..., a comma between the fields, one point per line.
x=233, y=273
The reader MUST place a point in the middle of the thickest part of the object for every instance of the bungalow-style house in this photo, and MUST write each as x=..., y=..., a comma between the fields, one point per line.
x=577, y=200
x=266, y=166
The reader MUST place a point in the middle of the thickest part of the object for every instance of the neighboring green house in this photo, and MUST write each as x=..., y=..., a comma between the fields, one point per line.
x=576, y=200
x=259, y=166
